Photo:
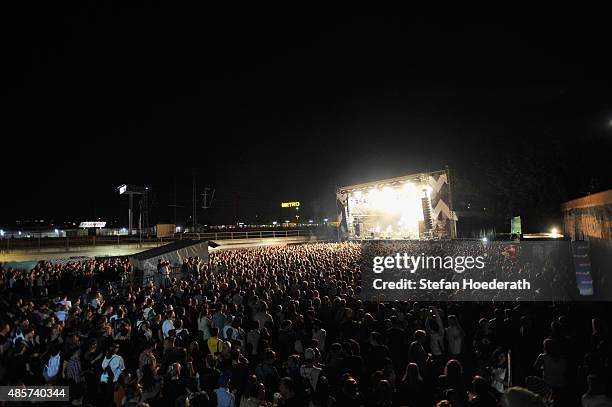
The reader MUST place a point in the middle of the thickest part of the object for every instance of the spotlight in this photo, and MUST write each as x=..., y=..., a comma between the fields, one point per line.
x=554, y=231
x=484, y=239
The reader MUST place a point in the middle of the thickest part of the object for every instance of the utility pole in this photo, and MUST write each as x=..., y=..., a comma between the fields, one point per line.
x=174, y=205
x=194, y=204
x=209, y=195
x=207, y=203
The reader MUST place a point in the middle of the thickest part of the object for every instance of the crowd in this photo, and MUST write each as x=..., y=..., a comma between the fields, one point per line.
x=286, y=326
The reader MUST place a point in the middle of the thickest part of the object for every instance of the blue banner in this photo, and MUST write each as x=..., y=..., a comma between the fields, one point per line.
x=582, y=267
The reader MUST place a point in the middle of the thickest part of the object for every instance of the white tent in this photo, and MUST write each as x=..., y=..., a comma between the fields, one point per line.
x=175, y=252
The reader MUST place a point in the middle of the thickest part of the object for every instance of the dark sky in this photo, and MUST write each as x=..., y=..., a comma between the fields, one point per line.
x=267, y=108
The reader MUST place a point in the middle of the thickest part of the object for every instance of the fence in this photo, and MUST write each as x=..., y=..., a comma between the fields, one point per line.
x=255, y=234
x=66, y=243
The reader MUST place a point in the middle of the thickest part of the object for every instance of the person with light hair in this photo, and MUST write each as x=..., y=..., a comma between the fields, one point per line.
x=521, y=397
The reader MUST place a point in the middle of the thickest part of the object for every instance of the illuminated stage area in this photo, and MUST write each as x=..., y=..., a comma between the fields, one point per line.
x=415, y=206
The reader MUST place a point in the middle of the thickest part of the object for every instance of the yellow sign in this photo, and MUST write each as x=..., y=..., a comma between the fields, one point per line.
x=290, y=204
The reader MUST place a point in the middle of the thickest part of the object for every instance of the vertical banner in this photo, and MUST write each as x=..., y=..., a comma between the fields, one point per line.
x=341, y=215
x=442, y=217
x=515, y=226
x=582, y=267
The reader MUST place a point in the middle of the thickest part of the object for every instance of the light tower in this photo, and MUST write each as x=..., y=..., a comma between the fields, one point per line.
x=131, y=190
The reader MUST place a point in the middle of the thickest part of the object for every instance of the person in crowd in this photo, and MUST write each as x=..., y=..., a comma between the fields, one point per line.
x=521, y=397
x=595, y=396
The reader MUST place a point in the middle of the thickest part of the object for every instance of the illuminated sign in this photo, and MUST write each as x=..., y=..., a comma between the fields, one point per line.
x=92, y=224
x=290, y=204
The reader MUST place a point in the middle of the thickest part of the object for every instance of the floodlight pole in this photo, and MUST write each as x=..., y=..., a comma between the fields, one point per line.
x=130, y=190
x=130, y=214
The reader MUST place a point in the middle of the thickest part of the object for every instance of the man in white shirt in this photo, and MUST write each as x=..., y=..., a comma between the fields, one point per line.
x=319, y=334
x=97, y=302
x=66, y=302
x=114, y=361
x=168, y=324
x=308, y=370
x=165, y=274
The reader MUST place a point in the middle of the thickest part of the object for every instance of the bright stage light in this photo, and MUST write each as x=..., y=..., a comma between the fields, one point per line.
x=484, y=239
x=554, y=231
x=357, y=194
x=56, y=231
x=394, y=210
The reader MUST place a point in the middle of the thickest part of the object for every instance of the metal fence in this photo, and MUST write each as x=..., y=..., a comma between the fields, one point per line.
x=255, y=234
x=69, y=242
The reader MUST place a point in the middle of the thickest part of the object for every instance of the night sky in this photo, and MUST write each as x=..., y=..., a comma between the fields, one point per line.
x=267, y=108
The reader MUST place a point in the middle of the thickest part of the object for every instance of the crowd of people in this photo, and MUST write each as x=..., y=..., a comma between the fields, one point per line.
x=286, y=326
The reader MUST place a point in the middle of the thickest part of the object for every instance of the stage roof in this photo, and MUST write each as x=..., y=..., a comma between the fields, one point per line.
x=390, y=181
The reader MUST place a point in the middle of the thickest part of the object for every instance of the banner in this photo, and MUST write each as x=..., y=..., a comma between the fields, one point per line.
x=515, y=226
x=582, y=266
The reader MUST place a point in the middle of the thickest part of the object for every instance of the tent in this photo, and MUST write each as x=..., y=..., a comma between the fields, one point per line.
x=175, y=252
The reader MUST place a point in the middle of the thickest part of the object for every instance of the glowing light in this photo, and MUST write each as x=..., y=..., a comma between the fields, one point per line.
x=484, y=239
x=20, y=233
x=554, y=231
x=325, y=220
x=310, y=221
x=178, y=228
x=275, y=223
x=56, y=231
x=357, y=194
x=1, y=232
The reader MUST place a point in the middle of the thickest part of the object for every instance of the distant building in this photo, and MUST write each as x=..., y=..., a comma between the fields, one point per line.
x=589, y=217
